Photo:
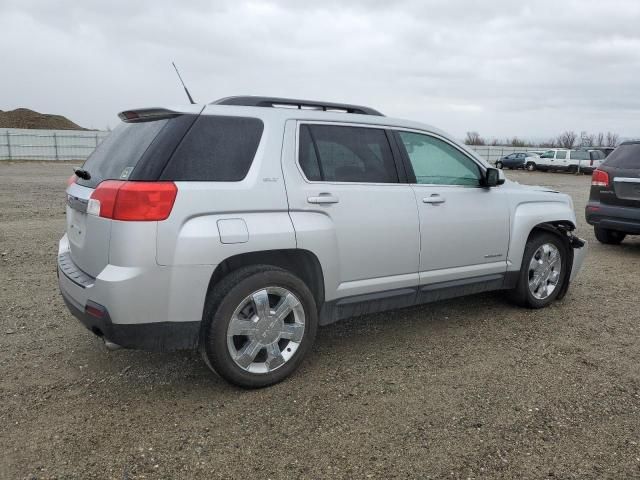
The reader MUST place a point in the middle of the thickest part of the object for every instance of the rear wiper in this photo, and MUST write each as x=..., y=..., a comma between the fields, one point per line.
x=81, y=173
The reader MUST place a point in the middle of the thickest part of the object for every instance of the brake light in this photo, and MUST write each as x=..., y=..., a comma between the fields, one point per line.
x=600, y=178
x=133, y=201
x=71, y=180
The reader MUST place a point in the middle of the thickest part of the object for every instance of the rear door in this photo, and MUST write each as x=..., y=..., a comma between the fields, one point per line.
x=350, y=205
x=115, y=158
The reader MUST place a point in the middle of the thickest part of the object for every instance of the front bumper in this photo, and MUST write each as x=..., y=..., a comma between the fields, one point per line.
x=613, y=217
x=579, y=255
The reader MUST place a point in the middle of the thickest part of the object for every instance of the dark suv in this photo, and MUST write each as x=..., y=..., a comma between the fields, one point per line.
x=614, y=202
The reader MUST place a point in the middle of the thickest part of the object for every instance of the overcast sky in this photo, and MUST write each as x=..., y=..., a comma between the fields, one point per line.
x=502, y=68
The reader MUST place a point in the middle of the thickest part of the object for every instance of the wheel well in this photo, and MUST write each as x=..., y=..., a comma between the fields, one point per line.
x=301, y=263
x=558, y=227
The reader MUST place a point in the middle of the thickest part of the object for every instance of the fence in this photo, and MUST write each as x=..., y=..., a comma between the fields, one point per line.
x=491, y=154
x=20, y=144
x=23, y=144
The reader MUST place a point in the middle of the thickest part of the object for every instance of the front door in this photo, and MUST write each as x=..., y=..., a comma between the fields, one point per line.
x=464, y=227
x=351, y=205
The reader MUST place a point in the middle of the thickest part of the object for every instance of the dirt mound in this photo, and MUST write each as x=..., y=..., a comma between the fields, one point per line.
x=25, y=118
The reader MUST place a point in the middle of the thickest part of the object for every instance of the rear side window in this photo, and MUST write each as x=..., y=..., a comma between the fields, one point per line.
x=119, y=153
x=580, y=155
x=216, y=149
x=346, y=154
x=561, y=154
x=625, y=156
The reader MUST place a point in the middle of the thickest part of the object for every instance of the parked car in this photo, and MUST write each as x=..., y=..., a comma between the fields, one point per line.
x=614, y=201
x=238, y=227
x=567, y=160
x=516, y=160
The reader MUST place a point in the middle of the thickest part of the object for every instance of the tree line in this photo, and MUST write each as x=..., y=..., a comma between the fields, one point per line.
x=567, y=139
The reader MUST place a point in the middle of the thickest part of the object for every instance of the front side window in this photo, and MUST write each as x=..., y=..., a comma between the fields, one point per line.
x=548, y=154
x=561, y=154
x=346, y=154
x=436, y=162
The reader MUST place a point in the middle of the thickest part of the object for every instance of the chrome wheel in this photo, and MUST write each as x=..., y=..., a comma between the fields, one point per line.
x=544, y=271
x=265, y=330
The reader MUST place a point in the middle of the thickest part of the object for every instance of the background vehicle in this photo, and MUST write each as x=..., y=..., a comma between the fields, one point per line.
x=614, y=201
x=516, y=160
x=574, y=160
x=238, y=227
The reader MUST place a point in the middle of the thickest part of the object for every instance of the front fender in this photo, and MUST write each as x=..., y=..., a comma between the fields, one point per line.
x=530, y=215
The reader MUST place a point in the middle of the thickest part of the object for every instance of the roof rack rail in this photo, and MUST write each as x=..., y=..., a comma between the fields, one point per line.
x=253, y=101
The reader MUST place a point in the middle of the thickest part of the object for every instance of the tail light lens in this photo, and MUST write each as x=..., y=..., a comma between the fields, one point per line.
x=71, y=180
x=600, y=178
x=133, y=201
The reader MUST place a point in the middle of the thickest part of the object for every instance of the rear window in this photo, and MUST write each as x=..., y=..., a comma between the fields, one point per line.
x=119, y=153
x=625, y=156
x=216, y=149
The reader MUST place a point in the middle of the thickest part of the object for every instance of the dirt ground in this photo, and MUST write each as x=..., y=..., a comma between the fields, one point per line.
x=470, y=388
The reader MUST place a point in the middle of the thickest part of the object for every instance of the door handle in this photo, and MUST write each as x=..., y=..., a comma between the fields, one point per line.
x=323, y=198
x=434, y=199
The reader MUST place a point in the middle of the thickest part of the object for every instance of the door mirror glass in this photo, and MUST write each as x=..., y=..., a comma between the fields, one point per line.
x=492, y=177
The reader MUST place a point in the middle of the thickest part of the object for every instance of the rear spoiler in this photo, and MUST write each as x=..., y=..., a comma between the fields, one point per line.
x=147, y=114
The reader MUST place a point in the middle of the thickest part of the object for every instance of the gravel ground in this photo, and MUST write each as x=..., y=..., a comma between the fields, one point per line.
x=470, y=388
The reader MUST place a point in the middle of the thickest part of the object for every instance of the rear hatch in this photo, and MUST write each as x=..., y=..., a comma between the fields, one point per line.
x=623, y=168
x=137, y=150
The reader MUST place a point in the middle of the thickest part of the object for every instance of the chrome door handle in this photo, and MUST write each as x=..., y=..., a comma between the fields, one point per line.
x=433, y=199
x=323, y=198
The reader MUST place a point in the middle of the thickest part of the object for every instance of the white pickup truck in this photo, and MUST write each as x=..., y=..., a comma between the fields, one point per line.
x=563, y=159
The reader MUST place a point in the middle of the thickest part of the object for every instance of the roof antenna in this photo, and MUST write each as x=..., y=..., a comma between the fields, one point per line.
x=183, y=85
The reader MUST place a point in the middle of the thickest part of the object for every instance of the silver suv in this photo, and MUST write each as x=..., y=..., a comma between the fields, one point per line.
x=238, y=227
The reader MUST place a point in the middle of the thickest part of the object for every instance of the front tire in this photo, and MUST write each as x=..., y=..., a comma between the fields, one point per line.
x=259, y=323
x=499, y=165
x=609, y=237
x=531, y=166
x=543, y=271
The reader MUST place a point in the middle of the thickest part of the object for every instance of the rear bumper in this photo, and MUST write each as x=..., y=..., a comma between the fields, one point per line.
x=612, y=217
x=155, y=337
x=149, y=307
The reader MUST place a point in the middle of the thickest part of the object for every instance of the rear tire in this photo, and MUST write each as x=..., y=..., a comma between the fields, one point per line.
x=542, y=274
x=609, y=237
x=267, y=347
x=530, y=166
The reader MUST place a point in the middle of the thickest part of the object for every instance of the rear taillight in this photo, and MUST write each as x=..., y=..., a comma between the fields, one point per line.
x=133, y=201
x=71, y=180
x=600, y=178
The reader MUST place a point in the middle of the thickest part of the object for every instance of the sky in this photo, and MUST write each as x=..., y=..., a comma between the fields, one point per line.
x=503, y=68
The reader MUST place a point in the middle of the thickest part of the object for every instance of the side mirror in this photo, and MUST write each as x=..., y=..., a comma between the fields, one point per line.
x=492, y=178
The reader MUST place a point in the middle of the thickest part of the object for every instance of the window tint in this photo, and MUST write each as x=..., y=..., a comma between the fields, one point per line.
x=216, y=149
x=520, y=155
x=548, y=154
x=436, y=162
x=346, y=154
x=580, y=155
x=119, y=153
x=561, y=154
x=625, y=156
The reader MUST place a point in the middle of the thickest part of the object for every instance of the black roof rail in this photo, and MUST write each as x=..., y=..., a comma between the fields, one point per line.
x=252, y=101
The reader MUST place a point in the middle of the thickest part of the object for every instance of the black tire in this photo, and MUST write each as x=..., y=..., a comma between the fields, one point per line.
x=227, y=295
x=499, y=165
x=521, y=294
x=530, y=166
x=609, y=237
x=573, y=169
